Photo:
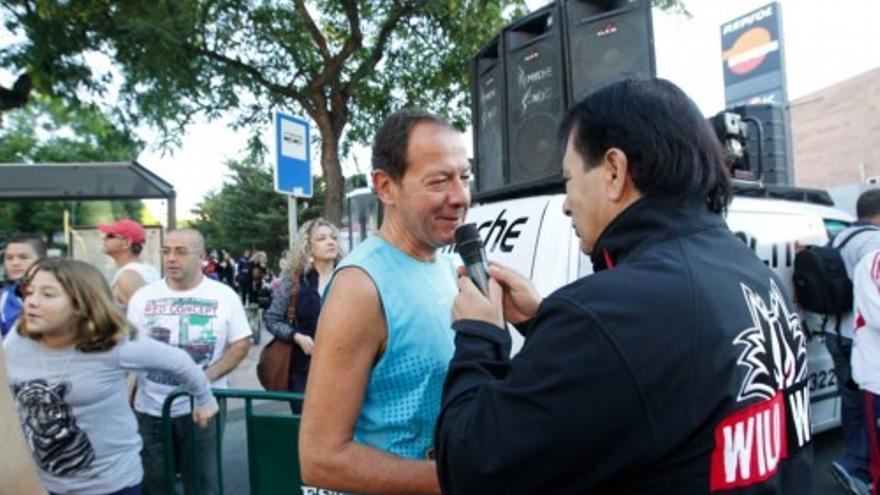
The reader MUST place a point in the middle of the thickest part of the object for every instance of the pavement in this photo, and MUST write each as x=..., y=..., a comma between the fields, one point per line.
x=244, y=377
x=236, y=479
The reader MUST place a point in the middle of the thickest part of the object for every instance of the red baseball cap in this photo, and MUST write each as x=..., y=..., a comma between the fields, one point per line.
x=129, y=229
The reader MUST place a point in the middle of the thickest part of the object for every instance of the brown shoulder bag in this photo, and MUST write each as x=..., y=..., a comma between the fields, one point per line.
x=273, y=369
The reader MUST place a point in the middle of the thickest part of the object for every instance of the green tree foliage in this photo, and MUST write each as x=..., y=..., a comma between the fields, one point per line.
x=344, y=63
x=247, y=213
x=49, y=131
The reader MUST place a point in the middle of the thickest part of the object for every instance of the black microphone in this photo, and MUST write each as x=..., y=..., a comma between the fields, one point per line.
x=470, y=247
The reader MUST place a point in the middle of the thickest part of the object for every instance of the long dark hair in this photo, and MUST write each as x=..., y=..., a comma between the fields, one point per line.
x=671, y=149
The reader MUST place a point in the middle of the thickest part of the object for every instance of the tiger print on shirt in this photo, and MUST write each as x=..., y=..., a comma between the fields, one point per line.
x=58, y=445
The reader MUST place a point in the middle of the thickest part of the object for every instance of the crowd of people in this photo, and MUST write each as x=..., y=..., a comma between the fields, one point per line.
x=631, y=380
x=249, y=275
x=71, y=339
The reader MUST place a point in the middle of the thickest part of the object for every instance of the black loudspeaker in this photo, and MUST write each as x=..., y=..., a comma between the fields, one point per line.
x=488, y=116
x=607, y=40
x=536, y=98
x=777, y=167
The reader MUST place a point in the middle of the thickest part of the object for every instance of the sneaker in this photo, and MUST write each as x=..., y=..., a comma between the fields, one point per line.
x=852, y=484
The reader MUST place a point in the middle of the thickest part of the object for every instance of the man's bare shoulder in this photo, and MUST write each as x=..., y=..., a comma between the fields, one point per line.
x=130, y=279
x=353, y=281
x=353, y=304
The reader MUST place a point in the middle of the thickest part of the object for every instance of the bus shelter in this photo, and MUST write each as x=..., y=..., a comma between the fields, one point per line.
x=85, y=181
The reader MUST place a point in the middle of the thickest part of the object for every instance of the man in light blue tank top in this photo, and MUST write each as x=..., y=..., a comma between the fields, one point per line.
x=384, y=338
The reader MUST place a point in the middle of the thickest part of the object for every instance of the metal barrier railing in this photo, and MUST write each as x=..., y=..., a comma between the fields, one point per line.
x=267, y=449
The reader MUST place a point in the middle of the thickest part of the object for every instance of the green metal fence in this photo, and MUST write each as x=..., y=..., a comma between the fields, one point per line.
x=273, y=456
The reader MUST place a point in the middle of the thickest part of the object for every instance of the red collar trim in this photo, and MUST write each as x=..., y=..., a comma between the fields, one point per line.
x=608, y=261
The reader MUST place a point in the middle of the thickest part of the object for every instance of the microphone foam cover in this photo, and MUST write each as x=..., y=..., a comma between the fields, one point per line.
x=466, y=234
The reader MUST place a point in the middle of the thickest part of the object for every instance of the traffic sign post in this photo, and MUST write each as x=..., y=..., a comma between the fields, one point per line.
x=293, y=160
x=293, y=163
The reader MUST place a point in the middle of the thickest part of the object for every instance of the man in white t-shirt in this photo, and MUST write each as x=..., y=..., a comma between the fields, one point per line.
x=124, y=241
x=205, y=318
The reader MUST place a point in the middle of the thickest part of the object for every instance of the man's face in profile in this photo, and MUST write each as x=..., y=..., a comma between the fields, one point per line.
x=584, y=196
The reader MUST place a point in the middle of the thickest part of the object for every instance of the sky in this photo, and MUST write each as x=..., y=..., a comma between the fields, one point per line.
x=823, y=46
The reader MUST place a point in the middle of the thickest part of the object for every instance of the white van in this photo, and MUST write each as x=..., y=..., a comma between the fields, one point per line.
x=533, y=236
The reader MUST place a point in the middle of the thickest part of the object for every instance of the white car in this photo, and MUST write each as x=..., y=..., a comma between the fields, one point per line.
x=533, y=236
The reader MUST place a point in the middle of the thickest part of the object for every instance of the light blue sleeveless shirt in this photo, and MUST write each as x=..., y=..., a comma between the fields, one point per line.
x=403, y=394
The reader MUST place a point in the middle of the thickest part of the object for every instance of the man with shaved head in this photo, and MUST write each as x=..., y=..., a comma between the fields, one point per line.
x=205, y=318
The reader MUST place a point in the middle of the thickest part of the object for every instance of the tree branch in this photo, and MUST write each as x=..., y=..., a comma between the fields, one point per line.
x=18, y=95
x=354, y=20
x=333, y=67
x=255, y=74
x=313, y=30
x=382, y=40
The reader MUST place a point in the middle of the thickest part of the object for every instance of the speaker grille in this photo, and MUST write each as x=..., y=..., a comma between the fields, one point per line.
x=535, y=96
x=488, y=118
x=608, y=46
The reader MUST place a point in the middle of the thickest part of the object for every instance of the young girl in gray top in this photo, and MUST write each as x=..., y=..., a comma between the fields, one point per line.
x=67, y=365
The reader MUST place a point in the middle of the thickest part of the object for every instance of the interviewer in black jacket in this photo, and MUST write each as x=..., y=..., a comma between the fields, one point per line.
x=679, y=367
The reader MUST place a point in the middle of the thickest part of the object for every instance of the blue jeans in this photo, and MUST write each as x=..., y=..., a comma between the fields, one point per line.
x=203, y=468
x=852, y=408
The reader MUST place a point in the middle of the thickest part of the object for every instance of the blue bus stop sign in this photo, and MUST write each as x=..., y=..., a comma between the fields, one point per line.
x=293, y=159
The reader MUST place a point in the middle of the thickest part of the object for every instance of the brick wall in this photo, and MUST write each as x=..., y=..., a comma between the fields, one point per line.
x=836, y=131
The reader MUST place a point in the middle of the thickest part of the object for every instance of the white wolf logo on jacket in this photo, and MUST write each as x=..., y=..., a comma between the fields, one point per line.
x=774, y=425
x=58, y=445
x=775, y=347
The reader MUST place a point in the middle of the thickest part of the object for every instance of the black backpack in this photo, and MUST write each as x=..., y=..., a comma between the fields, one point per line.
x=821, y=283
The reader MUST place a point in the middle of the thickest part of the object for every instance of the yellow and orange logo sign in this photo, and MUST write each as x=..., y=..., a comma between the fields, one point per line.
x=750, y=50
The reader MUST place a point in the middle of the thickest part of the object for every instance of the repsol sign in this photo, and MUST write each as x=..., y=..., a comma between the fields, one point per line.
x=747, y=20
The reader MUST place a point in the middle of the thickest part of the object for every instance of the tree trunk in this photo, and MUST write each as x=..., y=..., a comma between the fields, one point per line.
x=333, y=179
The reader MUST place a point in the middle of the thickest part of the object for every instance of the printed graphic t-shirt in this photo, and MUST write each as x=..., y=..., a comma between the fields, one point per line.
x=203, y=321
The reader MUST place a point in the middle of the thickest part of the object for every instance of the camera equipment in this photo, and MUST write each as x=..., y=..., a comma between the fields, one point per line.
x=732, y=130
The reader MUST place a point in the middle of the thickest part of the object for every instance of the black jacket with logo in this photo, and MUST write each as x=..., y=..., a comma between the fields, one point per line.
x=679, y=367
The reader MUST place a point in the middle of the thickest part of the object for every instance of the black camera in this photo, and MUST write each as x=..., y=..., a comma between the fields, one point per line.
x=733, y=130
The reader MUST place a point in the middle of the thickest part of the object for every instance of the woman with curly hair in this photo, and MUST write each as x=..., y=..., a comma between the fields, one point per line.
x=310, y=265
x=67, y=364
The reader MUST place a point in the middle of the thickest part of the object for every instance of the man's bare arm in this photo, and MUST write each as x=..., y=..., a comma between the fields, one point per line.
x=128, y=282
x=351, y=336
x=17, y=473
x=230, y=359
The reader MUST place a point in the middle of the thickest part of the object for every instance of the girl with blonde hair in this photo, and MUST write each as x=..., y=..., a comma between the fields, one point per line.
x=310, y=263
x=67, y=365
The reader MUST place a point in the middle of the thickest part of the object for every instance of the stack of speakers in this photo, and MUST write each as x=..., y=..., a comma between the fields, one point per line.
x=525, y=79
